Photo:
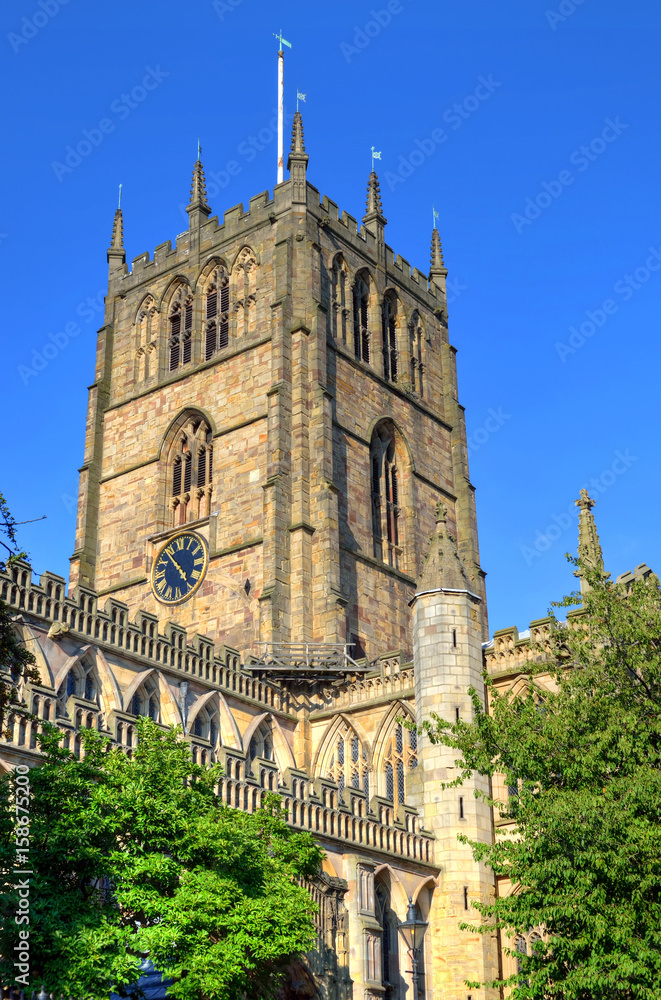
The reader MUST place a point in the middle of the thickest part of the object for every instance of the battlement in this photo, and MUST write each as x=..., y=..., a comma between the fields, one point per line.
x=139, y=640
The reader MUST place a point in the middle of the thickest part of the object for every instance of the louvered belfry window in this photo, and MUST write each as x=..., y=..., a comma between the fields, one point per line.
x=175, y=338
x=361, y=332
x=191, y=470
x=217, y=328
x=390, y=356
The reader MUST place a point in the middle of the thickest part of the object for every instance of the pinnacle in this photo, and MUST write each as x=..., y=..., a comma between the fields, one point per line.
x=437, y=262
x=589, y=547
x=117, y=238
x=374, y=206
x=198, y=191
x=116, y=252
x=297, y=139
x=443, y=567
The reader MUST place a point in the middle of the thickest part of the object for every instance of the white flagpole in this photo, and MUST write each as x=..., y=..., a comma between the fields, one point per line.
x=281, y=114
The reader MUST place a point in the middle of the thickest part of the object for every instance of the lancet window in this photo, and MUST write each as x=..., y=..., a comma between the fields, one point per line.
x=246, y=292
x=145, y=700
x=146, y=340
x=385, y=492
x=261, y=743
x=348, y=765
x=340, y=313
x=390, y=330
x=416, y=340
x=206, y=725
x=217, y=313
x=361, y=318
x=180, y=329
x=401, y=757
x=191, y=471
x=82, y=682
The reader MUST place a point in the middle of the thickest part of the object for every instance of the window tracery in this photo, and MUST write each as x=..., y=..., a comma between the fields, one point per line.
x=191, y=471
x=145, y=700
x=217, y=312
x=261, y=743
x=348, y=765
x=246, y=292
x=340, y=316
x=81, y=681
x=416, y=340
x=146, y=340
x=206, y=725
x=361, y=317
x=385, y=494
x=390, y=318
x=401, y=757
x=180, y=329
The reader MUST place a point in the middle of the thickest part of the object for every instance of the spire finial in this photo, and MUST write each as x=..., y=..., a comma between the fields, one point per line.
x=119, y=199
x=589, y=546
x=443, y=567
x=198, y=207
x=116, y=254
x=374, y=206
x=374, y=219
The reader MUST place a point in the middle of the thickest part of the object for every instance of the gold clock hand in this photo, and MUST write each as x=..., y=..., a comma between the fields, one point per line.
x=179, y=569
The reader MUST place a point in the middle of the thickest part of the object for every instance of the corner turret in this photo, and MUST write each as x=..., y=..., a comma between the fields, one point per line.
x=589, y=546
x=438, y=272
x=198, y=207
x=116, y=254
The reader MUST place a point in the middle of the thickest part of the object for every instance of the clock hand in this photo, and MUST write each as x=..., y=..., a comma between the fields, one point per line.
x=179, y=569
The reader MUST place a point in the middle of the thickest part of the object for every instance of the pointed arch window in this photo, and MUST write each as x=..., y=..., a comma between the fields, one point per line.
x=385, y=493
x=217, y=313
x=146, y=340
x=340, y=314
x=190, y=473
x=81, y=681
x=416, y=340
x=361, y=318
x=390, y=331
x=206, y=725
x=261, y=743
x=246, y=292
x=388, y=973
x=180, y=330
x=400, y=758
x=145, y=700
x=348, y=765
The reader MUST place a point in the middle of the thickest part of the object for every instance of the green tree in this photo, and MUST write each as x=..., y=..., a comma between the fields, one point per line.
x=136, y=855
x=17, y=664
x=584, y=754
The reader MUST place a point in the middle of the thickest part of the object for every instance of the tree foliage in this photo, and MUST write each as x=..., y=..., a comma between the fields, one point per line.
x=135, y=855
x=582, y=748
x=17, y=663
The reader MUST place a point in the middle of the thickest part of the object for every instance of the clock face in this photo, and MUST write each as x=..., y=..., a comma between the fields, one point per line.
x=179, y=568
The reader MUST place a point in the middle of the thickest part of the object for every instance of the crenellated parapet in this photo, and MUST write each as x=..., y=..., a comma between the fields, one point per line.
x=140, y=640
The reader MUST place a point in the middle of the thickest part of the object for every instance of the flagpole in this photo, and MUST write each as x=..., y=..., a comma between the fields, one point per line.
x=281, y=113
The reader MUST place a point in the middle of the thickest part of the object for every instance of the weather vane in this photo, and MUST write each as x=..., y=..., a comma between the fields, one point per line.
x=375, y=156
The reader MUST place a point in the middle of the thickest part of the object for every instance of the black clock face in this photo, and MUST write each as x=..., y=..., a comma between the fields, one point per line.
x=179, y=568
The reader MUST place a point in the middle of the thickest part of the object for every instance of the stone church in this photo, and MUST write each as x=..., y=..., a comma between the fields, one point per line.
x=276, y=549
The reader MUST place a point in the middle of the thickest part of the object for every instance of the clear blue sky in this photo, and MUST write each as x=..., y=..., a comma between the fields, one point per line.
x=559, y=76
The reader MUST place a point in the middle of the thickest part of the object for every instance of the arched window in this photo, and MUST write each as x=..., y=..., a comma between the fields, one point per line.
x=348, y=765
x=401, y=757
x=246, y=292
x=145, y=700
x=81, y=682
x=388, y=974
x=217, y=313
x=191, y=470
x=416, y=339
x=340, y=299
x=180, y=329
x=261, y=743
x=390, y=321
x=361, y=317
x=146, y=340
x=385, y=492
x=206, y=725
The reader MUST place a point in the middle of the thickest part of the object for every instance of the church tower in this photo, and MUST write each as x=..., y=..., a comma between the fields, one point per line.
x=281, y=386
